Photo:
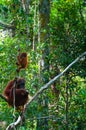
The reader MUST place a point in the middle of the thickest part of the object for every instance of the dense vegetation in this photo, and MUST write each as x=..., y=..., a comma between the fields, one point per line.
x=53, y=33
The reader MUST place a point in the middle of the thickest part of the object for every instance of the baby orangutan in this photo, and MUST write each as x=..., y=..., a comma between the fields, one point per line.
x=22, y=61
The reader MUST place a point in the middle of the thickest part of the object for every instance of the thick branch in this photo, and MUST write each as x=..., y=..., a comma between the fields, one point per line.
x=55, y=78
x=43, y=88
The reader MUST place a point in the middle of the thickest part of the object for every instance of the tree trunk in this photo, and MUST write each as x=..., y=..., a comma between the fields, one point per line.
x=43, y=38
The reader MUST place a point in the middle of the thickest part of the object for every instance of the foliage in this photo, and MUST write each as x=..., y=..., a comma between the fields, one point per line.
x=67, y=27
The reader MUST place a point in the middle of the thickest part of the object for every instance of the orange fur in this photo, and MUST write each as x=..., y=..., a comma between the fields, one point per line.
x=22, y=61
x=21, y=95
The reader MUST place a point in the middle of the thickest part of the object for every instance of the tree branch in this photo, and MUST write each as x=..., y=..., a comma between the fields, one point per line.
x=42, y=89
x=3, y=97
x=55, y=78
x=8, y=26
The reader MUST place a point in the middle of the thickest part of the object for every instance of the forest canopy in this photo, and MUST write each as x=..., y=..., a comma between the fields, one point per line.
x=52, y=34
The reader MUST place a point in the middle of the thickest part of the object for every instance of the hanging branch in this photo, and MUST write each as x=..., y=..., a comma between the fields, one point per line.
x=25, y=5
x=42, y=89
x=34, y=25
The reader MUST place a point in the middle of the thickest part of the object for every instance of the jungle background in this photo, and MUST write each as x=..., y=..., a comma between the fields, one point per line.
x=53, y=33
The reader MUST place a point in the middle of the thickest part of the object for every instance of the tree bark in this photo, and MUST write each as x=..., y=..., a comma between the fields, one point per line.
x=43, y=38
